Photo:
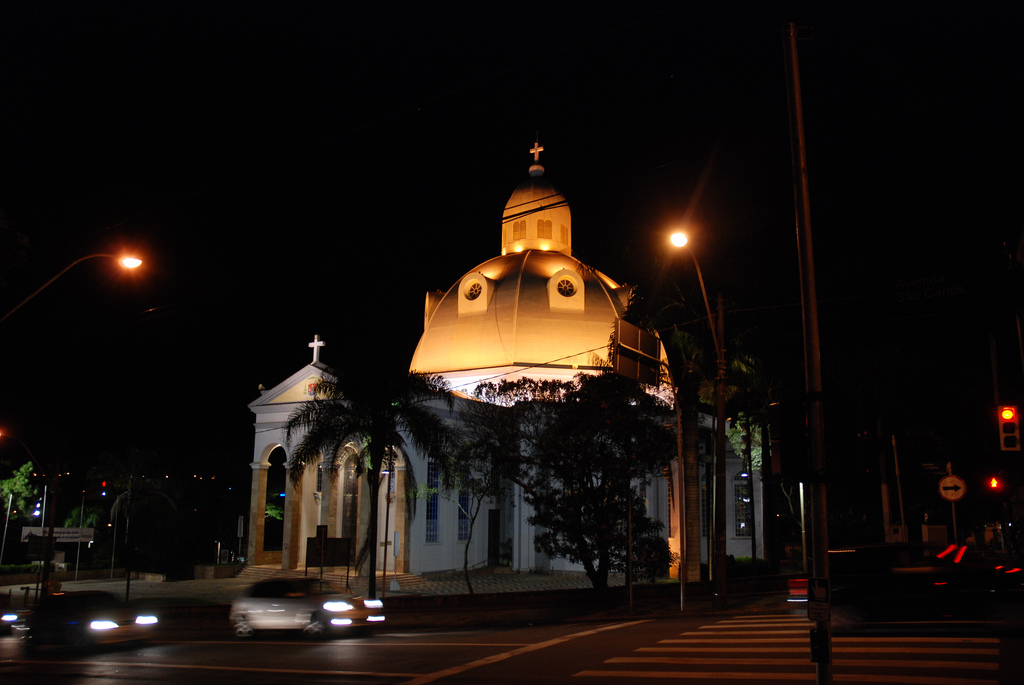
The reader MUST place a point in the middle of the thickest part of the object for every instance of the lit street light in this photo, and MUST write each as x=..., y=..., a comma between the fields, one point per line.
x=126, y=262
x=716, y=322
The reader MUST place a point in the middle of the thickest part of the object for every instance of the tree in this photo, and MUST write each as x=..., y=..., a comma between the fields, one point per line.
x=139, y=491
x=582, y=451
x=378, y=413
x=480, y=468
x=20, y=486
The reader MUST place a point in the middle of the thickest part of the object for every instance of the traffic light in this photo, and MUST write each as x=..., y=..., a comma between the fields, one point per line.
x=995, y=484
x=1009, y=429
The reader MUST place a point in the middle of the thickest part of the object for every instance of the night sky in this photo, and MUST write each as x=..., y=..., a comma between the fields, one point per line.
x=295, y=169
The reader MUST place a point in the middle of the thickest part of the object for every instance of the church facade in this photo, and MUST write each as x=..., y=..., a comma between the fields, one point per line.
x=532, y=311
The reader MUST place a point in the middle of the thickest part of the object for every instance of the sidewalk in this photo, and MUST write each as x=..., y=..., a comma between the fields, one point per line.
x=223, y=590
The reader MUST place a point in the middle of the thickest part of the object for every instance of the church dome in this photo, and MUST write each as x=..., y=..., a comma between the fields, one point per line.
x=533, y=311
x=537, y=216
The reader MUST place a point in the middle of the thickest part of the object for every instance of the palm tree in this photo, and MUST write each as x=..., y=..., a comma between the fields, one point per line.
x=127, y=475
x=378, y=414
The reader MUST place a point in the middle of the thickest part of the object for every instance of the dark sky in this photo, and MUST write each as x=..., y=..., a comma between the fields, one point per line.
x=310, y=168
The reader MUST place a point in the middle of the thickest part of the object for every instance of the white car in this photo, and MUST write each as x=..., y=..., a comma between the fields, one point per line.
x=312, y=606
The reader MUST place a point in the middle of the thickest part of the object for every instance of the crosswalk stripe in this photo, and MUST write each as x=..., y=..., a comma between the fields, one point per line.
x=707, y=675
x=725, y=640
x=741, y=660
x=886, y=679
x=698, y=647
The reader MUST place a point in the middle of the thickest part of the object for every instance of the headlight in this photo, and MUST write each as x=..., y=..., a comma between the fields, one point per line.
x=337, y=606
x=341, y=621
x=10, y=618
x=102, y=625
x=373, y=603
x=145, y=620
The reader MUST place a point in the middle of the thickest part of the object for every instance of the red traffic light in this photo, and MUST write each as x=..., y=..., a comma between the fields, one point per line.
x=1008, y=413
x=994, y=483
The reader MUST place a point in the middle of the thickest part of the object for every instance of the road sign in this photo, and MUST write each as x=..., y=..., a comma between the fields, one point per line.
x=818, y=600
x=952, y=488
x=59, y=534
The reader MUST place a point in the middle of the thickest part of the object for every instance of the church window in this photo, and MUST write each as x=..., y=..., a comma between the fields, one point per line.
x=434, y=483
x=473, y=291
x=463, y=515
x=566, y=288
x=519, y=230
x=743, y=493
x=544, y=228
x=565, y=234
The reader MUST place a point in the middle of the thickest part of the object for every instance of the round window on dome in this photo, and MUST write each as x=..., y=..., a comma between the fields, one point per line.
x=566, y=288
x=473, y=291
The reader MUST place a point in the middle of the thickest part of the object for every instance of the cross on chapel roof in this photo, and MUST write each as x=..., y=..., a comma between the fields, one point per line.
x=316, y=345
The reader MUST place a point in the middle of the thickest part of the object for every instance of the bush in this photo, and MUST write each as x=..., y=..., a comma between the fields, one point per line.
x=652, y=559
x=744, y=567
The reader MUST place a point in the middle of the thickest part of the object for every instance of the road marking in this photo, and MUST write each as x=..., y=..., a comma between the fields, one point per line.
x=755, y=661
x=697, y=675
x=888, y=679
x=454, y=670
x=762, y=644
x=806, y=649
x=200, y=667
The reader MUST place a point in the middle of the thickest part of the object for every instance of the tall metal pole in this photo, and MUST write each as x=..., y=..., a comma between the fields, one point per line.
x=721, y=584
x=81, y=520
x=812, y=344
x=7, y=522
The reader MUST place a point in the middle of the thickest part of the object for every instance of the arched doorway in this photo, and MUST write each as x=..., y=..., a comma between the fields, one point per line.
x=277, y=479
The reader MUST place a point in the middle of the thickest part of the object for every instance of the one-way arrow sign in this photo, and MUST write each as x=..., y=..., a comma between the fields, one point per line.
x=952, y=488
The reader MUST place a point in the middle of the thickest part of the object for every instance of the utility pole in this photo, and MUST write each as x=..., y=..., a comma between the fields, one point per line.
x=822, y=635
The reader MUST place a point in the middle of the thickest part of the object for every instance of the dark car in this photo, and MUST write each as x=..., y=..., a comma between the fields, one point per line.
x=894, y=584
x=82, y=620
x=311, y=606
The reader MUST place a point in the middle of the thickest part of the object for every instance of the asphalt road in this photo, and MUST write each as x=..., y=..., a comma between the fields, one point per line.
x=732, y=648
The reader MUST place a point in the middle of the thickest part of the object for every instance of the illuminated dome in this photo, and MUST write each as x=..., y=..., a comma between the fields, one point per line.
x=534, y=311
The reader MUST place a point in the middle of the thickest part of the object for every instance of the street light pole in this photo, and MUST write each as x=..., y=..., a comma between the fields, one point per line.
x=126, y=262
x=716, y=322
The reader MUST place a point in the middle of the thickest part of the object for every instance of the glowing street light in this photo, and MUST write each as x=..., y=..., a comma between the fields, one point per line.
x=126, y=261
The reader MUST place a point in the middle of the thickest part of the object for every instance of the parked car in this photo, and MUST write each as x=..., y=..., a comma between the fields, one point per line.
x=312, y=606
x=82, y=620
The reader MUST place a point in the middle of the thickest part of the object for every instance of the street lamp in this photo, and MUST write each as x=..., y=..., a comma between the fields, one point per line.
x=127, y=262
x=716, y=322
x=52, y=482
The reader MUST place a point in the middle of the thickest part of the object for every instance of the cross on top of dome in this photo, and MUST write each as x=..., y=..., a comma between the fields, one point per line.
x=536, y=169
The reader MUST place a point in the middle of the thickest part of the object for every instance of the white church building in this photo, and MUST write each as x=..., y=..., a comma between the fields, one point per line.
x=532, y=311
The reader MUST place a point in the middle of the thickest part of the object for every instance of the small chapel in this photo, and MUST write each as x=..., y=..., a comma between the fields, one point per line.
x=533, y=311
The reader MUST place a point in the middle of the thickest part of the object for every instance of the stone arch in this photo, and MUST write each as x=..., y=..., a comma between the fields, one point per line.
x=269, y=481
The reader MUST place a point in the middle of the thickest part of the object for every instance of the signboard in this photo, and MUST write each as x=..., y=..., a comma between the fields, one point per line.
x=59, y=534
x=952, y=488
x=636, y=353
x=818, y=601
